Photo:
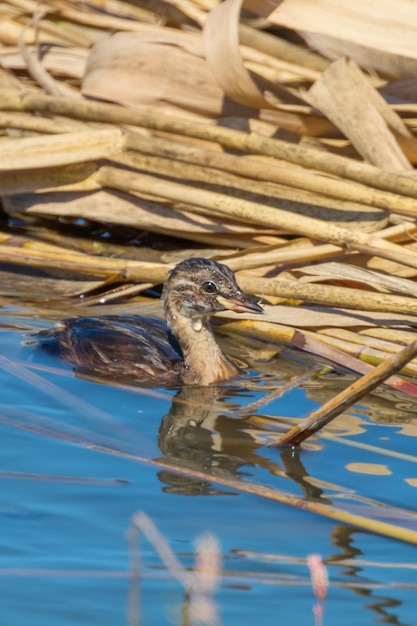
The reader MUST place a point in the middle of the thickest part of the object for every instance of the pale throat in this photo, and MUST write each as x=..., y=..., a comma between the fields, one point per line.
x=204, y=361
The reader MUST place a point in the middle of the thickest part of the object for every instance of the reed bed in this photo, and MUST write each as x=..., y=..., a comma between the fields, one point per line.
x=279, y=140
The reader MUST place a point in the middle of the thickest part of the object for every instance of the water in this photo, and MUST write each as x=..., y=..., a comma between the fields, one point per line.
x=77, y=465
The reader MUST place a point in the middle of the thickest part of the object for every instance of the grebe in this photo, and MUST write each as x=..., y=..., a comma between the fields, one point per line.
x=150, y=351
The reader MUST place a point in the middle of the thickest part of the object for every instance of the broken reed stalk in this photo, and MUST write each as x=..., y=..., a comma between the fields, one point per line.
x=255, y=213
x=237, y=140
x=334, y=407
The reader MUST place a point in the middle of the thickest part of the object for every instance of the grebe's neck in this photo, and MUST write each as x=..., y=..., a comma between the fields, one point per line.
x=204, y=362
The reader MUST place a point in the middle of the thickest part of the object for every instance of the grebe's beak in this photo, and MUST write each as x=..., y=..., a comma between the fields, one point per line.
x=239, y=303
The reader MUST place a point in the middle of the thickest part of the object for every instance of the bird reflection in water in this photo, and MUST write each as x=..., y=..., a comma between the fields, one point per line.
x=203, y=431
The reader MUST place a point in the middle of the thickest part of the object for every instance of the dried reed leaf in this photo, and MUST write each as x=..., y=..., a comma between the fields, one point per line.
x=123, y=18
x=320, y=317
x=156, y=70
x=390, y=267
x=55, y=150
x=400, y=90
x=143, y=11
x=10, y=31
x=118, y=208
x=375, y=343
x=77, y=263
x=42, y=125
x=392, y=335
x=48, y=32
x=378, y=33
x=69, y=32
x=68, y=62
x=341, y=271
x=79, y=176
x=344, y=95
x=221, y=38
x=371, y=356
x=28, y=287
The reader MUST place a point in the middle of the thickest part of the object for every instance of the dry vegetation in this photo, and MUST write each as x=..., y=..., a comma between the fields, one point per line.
x=278, y=140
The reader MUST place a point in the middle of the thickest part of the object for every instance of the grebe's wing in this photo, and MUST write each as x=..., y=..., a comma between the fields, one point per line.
x=133, y=347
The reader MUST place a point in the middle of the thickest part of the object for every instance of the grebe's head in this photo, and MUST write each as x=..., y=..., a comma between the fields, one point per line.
x=198, y=287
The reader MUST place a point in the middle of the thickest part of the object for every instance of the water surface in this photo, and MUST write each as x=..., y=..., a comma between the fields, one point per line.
x=77, y=466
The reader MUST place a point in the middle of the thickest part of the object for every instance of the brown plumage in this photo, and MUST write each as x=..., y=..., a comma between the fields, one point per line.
x=148, y=350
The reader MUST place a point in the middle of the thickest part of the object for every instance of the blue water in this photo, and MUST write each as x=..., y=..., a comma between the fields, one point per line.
x=70, y=488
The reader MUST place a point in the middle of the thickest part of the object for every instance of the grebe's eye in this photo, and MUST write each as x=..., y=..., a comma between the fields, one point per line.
x=210, y=287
